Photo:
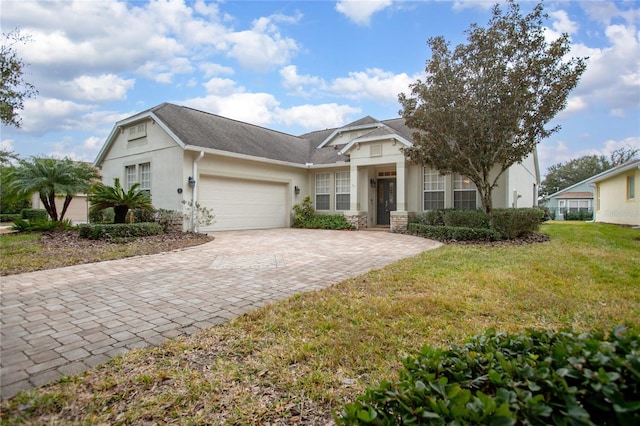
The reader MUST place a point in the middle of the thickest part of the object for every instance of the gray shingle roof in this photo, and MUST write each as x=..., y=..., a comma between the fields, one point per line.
x=206, y=130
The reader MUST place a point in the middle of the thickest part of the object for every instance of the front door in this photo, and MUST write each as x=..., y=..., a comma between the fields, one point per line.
x=386, y=200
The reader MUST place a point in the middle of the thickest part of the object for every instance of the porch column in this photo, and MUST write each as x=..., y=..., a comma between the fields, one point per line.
x=357, y=218
x=401, y=175
x=400, y=217
x=353, y=199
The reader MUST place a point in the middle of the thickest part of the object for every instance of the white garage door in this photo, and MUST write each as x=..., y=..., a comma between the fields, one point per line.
x=243, y=204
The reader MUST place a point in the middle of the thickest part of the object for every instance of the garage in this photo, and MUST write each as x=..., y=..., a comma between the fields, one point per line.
x=243, y=204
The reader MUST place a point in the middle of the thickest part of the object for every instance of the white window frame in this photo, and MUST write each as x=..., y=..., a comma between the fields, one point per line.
x=144, y=175
x=432, y=182
x=631, y=188
x=323, y=191
x=343, y=190
x=131, y=176
x=462, y=184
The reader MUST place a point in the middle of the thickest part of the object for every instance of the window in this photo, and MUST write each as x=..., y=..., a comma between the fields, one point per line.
x=145, y=176
x=598, y=197
x=631, y=188
x=579, y=205
x=322, y=191
x=464, y=193
x=343, y=198
x=131, y=176
x=141, y=174
x=433, y=190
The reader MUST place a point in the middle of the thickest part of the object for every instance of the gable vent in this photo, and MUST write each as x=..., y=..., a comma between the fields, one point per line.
x=375, y=150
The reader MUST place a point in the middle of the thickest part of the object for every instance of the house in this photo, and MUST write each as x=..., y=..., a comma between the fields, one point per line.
x=575, y=198
x=251, y=176
x=616, y=194
x=77, y=212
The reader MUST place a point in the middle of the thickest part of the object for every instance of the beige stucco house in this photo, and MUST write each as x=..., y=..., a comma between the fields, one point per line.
x=251, y=176
x=616, y=194
x=77, y=212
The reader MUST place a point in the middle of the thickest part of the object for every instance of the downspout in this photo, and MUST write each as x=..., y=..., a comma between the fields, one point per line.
x=194, y=197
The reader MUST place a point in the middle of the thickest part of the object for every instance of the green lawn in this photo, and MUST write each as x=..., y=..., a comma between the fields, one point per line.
x=301, y=358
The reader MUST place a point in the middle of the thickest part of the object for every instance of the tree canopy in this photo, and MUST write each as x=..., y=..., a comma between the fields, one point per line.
x=563, y=175
x=14, y=89
x=103, y=196
x=50, y=178
x=485, y=105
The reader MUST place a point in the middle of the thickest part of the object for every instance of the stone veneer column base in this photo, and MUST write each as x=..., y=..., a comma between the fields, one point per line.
x=399, y=221
x=358, y=221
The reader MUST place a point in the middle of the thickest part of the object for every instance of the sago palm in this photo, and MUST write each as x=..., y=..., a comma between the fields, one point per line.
x=103, y=196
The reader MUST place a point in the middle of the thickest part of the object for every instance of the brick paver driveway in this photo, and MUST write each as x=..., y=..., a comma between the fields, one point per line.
x=64, y=321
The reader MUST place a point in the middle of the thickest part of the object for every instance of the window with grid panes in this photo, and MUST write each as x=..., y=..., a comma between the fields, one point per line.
x=343, y=198
x=323, y=188
x=433, y=190
x=464, y=193
x=131, y=176
x=145, y=176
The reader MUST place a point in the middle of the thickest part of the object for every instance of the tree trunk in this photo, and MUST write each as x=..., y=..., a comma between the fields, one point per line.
x=67, y=201
x=120, y=214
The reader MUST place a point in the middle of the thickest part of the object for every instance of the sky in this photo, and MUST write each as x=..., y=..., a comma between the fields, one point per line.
x=292, y=66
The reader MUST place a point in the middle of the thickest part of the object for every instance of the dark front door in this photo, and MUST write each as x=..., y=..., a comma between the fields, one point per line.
x=386, y=200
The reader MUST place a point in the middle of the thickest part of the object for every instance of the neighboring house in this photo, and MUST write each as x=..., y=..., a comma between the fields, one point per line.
x=251, y=176
x=77, y=212
x=577, y=197
x=617, y=194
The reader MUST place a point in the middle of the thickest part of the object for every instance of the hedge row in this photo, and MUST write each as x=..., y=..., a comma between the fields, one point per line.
x=453, y=233
x=100, y=231
x=10, y=217
x=34, y=214
x=506, y=223
x=325, y=221
x=536, y=378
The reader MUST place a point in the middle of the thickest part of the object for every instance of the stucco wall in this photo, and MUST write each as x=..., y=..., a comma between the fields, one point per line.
x=613, y=206
x=158, y=149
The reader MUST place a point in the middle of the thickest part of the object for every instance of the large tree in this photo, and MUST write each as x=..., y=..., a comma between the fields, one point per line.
x=562, y=175
x=103, y=196
x=51, y=178
x=14, y=89
x=483, y=106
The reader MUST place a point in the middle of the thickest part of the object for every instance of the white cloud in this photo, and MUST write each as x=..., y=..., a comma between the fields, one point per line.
x=469, y=4
x=106, y=87
x=222, y=87
x=92, y=143
x=359, y=11
x=295, y=82
x=211, y=69
x=6, y=145
x=375, y=84
x=613, y=72
x=314, y=117
x=262, y=47
x=50, y=114
x=562, y=23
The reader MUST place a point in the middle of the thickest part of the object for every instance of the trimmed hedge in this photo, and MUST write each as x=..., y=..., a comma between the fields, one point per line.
x=466, y=218
x=451, y=233
x=115, y=231
x=578, y=215
x=10, y=217
x=514, y=223
x=34, y=214
x=325, y=221
x=500, y=224
x=539, y=377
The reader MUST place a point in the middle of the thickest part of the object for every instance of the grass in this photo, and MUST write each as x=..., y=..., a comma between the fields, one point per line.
x=296, y=360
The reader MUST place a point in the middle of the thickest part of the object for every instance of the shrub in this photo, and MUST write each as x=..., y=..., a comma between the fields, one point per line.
x=327, y=221
x=118, y=231
x=35, y=214
x=102, y=216
x=141, y=215
x=432, y=217
x=514, y=223
x=10, y=217
x=167, y=219
x=302, y=213
x=201, y=215
x=466, y=218
x=450, y=233
x=538, y=377
x=40, y=225
x=578, y=215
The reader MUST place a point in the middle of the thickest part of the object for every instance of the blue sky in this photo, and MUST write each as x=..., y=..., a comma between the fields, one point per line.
x=293, y=66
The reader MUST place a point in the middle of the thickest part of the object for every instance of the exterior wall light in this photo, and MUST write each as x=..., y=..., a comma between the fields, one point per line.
x=372, y=183
x=296, y=189
x=192, y=182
